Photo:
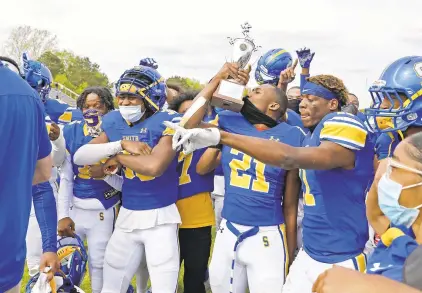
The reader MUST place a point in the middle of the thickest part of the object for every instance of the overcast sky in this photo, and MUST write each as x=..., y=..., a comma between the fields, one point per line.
x=353, y=39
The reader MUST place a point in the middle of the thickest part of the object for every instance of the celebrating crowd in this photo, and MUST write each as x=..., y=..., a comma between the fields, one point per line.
x=307, y=192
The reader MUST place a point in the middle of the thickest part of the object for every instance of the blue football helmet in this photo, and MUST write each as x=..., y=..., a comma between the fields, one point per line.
x=401, y=85
x=271, y=64
x=145, y=83
x=60, y=283
x=73, y=258
x=37, y=75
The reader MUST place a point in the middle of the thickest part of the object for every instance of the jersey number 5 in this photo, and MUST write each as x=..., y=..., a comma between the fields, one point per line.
x=308, y=198
x=244, y=181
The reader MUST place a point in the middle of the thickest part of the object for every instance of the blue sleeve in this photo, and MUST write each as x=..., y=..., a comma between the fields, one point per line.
x=108, y=125
x=303, y=81
x=384, y=146
x=46, y=213
x=44, y=147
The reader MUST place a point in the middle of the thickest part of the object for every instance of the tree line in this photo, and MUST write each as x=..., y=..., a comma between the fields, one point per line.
x=69, y=69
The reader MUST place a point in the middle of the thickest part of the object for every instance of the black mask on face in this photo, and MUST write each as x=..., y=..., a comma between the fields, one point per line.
x=254, y=115
x=293, y=104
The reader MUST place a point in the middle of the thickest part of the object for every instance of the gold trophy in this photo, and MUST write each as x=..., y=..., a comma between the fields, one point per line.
x=229, y=93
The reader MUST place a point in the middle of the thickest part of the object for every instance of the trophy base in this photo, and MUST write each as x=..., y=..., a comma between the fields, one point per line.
x=228, y=96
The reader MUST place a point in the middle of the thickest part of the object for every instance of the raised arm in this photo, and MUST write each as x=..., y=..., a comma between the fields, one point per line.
x=203, y=99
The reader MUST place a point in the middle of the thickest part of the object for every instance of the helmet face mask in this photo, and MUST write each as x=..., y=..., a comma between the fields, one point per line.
x=396, y=97
x=145, y=83
x=38, y=76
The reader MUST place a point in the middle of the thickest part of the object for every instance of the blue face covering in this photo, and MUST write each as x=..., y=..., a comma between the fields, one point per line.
x=388, y=198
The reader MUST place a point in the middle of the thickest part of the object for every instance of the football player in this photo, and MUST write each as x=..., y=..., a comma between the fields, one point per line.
x=39, y=78
x=85, y=197
x=394, y=114
x=397, y=211
x=396, y=91
x=148, y=219
x=196, y=211
x=251, y=248
x=25, y=149
x=336, y=165
x=283, y=72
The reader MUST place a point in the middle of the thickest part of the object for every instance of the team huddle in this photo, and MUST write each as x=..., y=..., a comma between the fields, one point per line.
x=298, y=181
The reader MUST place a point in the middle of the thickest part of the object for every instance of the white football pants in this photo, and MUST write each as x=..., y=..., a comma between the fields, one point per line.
x=305, y=270
x=127, y=251
x=260, y=260
x=96, y=226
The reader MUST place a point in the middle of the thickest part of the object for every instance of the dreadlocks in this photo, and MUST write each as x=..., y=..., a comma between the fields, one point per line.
x=104, y=94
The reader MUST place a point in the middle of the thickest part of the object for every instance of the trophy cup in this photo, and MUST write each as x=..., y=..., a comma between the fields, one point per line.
x=229, y=93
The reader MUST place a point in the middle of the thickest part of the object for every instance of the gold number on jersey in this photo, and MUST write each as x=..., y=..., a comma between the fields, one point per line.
x=308, y=198
x=101, y=216
x=129, y=174
x=187, y=161
x=83, y=172
x=244, y=181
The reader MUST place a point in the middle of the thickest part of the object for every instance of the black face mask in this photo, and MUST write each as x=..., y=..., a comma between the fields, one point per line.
x=293, y=104
x=254, y=115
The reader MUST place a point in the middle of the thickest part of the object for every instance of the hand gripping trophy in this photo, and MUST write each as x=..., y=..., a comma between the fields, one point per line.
x=229, y=93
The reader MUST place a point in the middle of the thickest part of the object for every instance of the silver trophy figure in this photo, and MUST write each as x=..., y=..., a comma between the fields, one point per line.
x=229, y=94
x=243, y=47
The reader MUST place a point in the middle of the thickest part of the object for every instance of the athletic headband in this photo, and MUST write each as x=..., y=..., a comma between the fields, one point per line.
x=316, y=90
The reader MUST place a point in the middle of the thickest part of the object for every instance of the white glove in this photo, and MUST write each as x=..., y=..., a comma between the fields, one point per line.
x=193, y=139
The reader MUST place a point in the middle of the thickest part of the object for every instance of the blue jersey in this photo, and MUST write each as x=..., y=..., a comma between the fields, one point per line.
x=386, y=143
x=254, y=191
x=24, y=141
x=391, y=252
x=76, y=135
x=293, y=119
x=142, y=192
x=219, y=170
x=334, y=225
x=190, y=182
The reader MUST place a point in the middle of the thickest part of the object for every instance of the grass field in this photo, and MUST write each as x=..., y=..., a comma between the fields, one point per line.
x=86, y=284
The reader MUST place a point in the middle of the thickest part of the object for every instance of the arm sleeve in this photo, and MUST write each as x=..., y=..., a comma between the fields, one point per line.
x=345, y=131
x=44, y=145
x=46, y=213
x=114, y=181
x=58, y=152
x=303, y=78
x=92, y=153
x=66, y=189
